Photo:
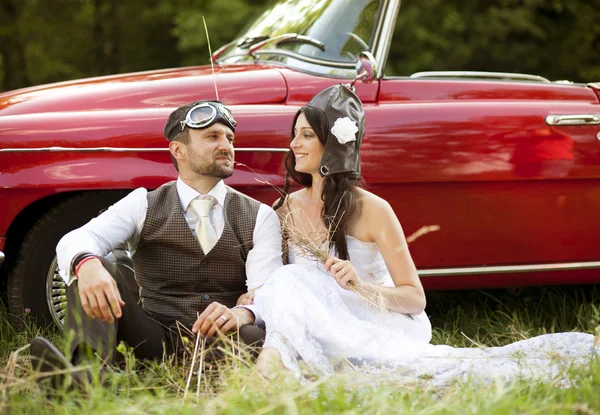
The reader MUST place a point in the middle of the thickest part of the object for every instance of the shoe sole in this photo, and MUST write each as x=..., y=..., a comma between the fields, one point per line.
x=47, y=359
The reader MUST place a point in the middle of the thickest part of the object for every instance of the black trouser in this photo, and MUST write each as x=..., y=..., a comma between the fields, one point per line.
x=149, y=338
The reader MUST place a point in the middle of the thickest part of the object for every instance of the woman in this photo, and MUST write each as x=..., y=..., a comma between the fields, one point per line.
x=351, y=292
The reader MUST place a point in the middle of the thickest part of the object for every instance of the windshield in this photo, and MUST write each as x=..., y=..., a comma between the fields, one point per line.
x=345, y=27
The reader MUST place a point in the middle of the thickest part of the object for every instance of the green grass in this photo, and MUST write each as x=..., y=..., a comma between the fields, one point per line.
x=489, y=318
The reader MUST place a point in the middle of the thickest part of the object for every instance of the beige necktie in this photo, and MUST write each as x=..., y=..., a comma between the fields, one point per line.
x=205, y=231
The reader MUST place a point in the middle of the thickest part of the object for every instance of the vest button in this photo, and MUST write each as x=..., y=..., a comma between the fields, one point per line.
x=206, y=296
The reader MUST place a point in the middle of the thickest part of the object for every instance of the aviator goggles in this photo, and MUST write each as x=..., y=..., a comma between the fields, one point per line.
x=205, y=114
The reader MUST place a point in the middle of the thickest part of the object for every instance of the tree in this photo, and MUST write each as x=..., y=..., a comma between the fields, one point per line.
x=224, y=21
x=44, y=41
x=558, y=39
x=12, y=52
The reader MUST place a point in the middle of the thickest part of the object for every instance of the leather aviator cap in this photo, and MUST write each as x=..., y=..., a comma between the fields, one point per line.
x=345, y=114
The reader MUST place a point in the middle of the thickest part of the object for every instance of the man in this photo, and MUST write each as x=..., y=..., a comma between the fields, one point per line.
x=195, y=243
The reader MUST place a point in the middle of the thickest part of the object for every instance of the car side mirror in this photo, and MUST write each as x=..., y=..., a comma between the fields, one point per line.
x=365, y=68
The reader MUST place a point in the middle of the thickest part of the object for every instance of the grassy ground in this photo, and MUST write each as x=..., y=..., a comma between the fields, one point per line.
x=488, y=318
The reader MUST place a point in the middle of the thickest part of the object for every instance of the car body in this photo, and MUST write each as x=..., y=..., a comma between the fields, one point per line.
x=506, y=165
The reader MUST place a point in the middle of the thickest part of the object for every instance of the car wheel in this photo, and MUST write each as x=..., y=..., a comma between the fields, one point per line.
x=35, y=289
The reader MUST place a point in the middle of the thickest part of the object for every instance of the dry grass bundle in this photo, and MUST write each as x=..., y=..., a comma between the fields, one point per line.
x=209, y=359
x=315, y=244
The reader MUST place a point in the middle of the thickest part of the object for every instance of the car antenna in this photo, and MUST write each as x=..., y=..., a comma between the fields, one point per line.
x=212, y=65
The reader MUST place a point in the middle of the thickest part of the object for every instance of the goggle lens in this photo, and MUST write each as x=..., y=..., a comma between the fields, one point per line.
x=206, y=114
x=202, y=115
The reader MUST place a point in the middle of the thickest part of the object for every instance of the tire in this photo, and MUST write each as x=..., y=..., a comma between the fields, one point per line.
x=35, y=290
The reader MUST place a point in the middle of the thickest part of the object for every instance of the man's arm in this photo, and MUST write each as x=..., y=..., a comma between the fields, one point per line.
x=265, y=256
x=98, y=291
x=263, y=259
x=122, y=222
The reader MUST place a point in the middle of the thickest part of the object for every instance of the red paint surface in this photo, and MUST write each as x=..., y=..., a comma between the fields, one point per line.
x=152, y=89
x=474, y=157
x=414, y=89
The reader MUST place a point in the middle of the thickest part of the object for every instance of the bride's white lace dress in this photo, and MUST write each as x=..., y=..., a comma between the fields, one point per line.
x=309, y=317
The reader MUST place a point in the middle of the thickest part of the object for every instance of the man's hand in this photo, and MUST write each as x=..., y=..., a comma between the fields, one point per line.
x=246, y=299
x=98, y=291
x=225, y=320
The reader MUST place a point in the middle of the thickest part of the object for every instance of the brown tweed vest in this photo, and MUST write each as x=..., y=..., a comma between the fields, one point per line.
x=176, y=279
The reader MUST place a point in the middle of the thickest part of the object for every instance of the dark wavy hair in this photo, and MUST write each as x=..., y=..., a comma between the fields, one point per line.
x=338, y=196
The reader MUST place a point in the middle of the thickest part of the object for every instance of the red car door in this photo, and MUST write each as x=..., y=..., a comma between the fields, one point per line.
x=486, y=162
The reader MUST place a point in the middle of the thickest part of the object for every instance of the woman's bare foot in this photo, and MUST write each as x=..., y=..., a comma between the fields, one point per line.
x=269, y=364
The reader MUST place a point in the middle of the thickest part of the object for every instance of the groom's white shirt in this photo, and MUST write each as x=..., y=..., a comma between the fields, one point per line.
x=123, y=223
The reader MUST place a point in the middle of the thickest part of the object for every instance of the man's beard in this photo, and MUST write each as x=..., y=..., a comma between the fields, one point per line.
x=212, y=169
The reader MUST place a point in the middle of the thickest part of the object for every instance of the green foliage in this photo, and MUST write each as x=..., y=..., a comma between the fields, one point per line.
x=224, y=21
x=557, y=39
x=54, y=40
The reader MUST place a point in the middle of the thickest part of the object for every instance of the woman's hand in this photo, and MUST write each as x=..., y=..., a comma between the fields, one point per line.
x=343, y=272
x=246, y=299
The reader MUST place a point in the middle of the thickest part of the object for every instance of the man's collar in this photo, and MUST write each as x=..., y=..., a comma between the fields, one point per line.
x=187, y=193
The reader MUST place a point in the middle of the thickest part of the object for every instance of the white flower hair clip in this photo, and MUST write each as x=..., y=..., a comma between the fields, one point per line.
x=344, y=129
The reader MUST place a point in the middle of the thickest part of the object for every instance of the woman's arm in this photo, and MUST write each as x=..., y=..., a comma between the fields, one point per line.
x=407, y=296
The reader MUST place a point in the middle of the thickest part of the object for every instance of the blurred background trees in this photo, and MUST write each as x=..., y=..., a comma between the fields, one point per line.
x=557, y=39
x=44, y=41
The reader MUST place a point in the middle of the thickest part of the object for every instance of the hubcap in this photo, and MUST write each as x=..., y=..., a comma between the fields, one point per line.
x=56, y=295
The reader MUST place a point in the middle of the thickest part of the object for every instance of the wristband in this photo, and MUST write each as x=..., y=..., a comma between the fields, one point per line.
x=77, y=258
x=83, y=261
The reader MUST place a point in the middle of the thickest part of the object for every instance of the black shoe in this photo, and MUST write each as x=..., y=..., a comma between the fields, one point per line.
x=54, y=367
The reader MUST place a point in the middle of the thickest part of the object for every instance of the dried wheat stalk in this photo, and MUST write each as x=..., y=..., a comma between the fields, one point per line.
x=189, y=379
x=318, y=247
x=316, y=244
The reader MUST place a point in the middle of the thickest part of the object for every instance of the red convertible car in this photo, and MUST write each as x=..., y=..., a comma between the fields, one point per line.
x=507, y=165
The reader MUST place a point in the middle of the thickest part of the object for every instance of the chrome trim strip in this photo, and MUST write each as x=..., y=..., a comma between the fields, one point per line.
x=500, y=269
x=480, y=75
x=385, y=31
x=285, y=38
x=79, y=149
x=1, y=257
x=217, y=54
x=261, y=150
x=307, y=59
x=573, y=119
x=126, y=150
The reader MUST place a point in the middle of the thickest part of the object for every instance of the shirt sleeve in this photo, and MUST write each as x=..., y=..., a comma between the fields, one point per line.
x=265, y=256
x=120, y=223
x=258, y=321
